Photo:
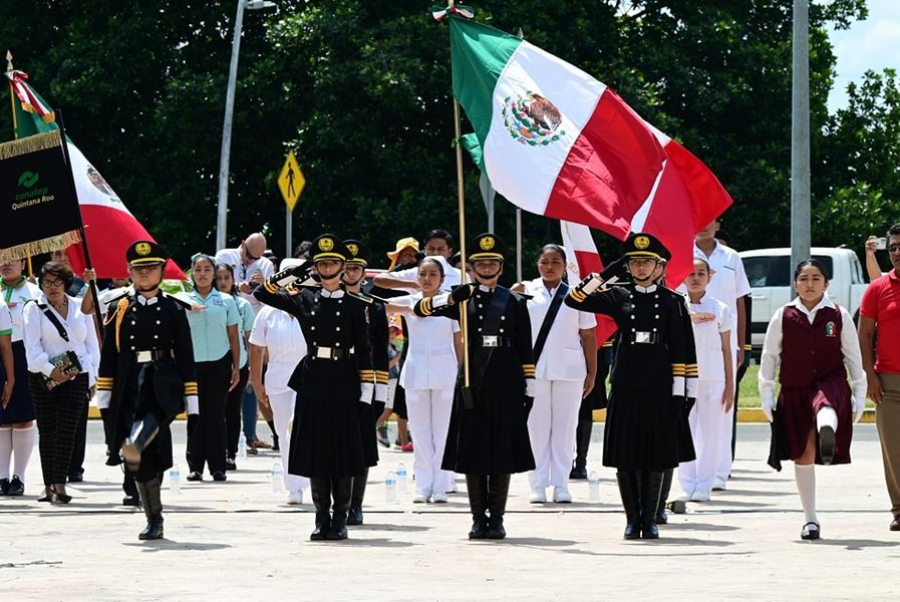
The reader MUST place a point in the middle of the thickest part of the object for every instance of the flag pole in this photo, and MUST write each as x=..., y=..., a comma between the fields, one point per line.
x=12, y=106
x=461, y=198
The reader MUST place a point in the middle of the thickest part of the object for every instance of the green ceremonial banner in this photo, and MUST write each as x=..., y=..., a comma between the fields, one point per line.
x=38, y=207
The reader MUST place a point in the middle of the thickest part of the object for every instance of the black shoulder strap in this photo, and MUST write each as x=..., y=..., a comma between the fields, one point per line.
x=561, y=291
x=55, y=321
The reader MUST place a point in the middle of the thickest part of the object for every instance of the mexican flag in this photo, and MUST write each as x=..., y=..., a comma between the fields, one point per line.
x=582, y=259
x=555, y=141
x=109, y=226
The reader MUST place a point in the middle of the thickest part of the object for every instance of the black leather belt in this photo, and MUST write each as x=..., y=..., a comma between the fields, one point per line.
x=644, y=338
x=493, y=341
x=145, y=357
x=330, y=353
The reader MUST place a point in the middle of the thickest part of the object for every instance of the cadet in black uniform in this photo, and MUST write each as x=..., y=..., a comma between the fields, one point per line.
x=376, y=317
x=654, y=373
x=146, y=377
x=488, y=438
x=334, y=382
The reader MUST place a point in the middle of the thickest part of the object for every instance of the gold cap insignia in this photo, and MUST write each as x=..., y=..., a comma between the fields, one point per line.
x=142, y=249
x=354, y=249
x=641, y=242
x=487, y=243
x=326, y=244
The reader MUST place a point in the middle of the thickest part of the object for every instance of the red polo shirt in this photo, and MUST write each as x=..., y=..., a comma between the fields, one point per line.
x=881, y=302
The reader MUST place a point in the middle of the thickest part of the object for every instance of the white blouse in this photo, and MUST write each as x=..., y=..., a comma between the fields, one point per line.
x=42, y=340
x=431, y=355
x=563, y=356
x=708, y=337
x=16, y=298
x=281, y=335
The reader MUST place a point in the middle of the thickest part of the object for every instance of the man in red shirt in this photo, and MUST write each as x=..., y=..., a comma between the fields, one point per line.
x=880, y=307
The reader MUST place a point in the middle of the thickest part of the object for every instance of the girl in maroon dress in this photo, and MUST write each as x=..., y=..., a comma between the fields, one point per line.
x=812, y=339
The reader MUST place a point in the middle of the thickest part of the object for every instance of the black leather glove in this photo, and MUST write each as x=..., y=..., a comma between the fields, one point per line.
x=463, y=292
x=529, y=403
x=616, y=269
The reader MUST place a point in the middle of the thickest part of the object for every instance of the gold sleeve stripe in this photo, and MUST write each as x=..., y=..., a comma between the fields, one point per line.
x=748, y=347
x=577, y=295
x=425, y=306
x=270, y=287
x=678, y=370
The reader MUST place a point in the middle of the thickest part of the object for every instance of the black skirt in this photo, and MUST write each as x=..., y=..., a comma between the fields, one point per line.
x=20, y=407
x=642, y=428
x=490, y=438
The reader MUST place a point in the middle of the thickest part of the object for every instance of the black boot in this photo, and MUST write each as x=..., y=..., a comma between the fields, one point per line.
x=477, y=488
x=498, y=492
x=582, y=444
x=628, y=491
x=143, y=432
x=341, y=489
x=149, y=493
x=661, y=518
x=321, y=497
x=356, y=499
x=651, y=487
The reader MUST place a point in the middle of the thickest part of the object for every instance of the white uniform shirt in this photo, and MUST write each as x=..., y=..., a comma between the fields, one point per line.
x=563, y=356
x=452, y=275
x=243, y=273
x=16, y=298
x=431, y=356
x=6, y=325
x=708, y=338
x=771, y=353
x=42, y=340
x=280, y=333
x=729, y=283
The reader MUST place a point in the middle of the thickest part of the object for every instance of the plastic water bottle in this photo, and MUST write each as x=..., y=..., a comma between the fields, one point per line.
x=277, y=477
x=594, y=488
x=401, y=478
x=242, y=447
x=175, y=479
x=390, y=487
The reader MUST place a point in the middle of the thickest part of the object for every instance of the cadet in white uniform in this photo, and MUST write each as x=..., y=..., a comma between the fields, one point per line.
x=711, y=321
x=279, y=334
x=429, y=378
x=565, y=353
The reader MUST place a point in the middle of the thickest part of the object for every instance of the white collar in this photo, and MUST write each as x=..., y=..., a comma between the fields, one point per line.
x=645, y=289
x=484, y=288
x=332, y=294
x=145, y=301
x=825, y=302
x=701, y=253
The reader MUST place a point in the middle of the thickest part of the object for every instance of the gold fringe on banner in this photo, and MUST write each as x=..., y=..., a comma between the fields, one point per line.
x=45, y=245
x=31, y=144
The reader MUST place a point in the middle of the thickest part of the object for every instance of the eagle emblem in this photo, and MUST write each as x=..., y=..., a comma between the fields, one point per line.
x=641, y=242
x=326, y=244
x=354, y=249
x=532, y=119
x=142, y=249
x=487, y=243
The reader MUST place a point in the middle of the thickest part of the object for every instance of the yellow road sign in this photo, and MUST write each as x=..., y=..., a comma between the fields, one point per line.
x=291, y=181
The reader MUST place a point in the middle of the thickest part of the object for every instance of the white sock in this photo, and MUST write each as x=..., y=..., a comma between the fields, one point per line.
x=23, y=445
x=827, y=417
x=5, y=451
x=805, y=475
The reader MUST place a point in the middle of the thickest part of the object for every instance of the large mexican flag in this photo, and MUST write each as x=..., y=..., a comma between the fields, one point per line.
x=555, y=141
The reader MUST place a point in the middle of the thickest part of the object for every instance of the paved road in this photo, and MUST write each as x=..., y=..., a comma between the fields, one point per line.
x=239, y=541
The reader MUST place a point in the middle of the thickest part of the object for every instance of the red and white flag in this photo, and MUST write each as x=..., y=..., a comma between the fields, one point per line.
x=582, y=259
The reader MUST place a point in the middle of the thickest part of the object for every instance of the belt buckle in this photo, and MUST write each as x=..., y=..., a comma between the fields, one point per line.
x=144, y=356
x=642, y=337
x=490, y=341
x=323, y=353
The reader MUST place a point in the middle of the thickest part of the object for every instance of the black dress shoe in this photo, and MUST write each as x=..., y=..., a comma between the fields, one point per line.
x=4, y=486
x=810, y=531
x=579, y=473
x=131, y=501
x=649, y=531
x=76, y=476
x=826, y=445
x=62, y=498
x=338, y=530
x=355, y=516
x=661, y=517
x=495, y=529
x=195, y=476
x=633, y=531
x=479, y=529
x=895, y=524
x=219, y=476
x=230, y=465
x=151, y=531
x=16, y=488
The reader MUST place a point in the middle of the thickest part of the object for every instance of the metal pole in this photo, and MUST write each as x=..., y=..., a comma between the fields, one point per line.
x=518, y=245
x=222, y=213
x=289, y=225
x=461, y=199
x=801, y=238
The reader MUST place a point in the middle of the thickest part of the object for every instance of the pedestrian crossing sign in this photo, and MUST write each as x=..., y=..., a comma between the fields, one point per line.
x=291, y=181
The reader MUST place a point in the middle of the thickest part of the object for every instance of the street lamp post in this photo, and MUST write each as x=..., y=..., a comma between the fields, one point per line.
x=222, y=212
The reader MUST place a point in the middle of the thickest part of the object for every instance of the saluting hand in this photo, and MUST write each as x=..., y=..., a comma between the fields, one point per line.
x=463, y=292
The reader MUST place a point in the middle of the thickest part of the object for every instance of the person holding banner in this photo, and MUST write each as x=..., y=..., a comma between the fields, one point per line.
x=63, y=354
x=654, y=370
x=147, y=377
x=488, y=436
x=565, y=355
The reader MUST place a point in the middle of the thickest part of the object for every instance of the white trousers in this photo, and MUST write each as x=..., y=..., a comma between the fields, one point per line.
x=282, y=405
x=723, y=467
x=429, y=420
x=551, y=427
x=706, y=430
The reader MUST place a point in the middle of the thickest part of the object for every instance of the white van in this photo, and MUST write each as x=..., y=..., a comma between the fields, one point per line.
x=770, y=274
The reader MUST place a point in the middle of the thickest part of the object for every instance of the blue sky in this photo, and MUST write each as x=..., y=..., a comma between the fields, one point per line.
x=870, y=44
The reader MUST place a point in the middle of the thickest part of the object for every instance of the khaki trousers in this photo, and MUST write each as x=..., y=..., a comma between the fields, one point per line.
x=887, y=417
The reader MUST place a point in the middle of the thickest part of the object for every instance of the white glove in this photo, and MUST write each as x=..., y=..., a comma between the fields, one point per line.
x=192, y=403
x=529, y=387
x=103, y=399
x=859, y=408
x=366, y=391
x=768, y=406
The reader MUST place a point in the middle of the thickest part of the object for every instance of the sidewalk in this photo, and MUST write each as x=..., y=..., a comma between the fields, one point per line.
x=239, y=541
